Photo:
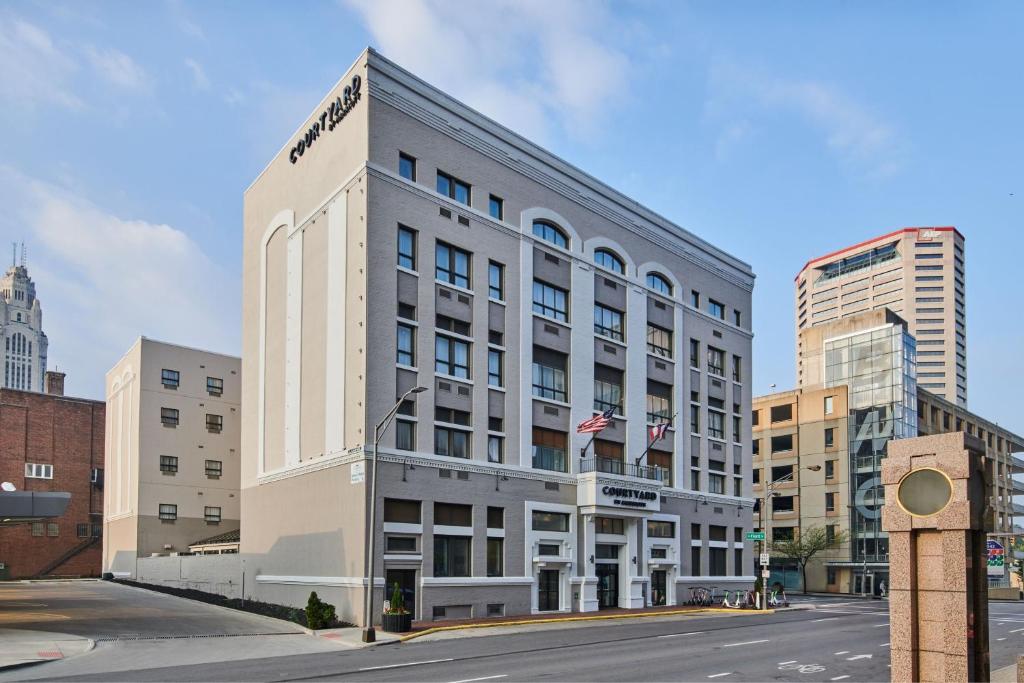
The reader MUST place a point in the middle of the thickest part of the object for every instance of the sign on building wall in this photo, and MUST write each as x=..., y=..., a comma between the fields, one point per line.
x=357, y=474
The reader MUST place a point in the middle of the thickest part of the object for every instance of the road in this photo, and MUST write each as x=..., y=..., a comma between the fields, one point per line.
x=840, y=640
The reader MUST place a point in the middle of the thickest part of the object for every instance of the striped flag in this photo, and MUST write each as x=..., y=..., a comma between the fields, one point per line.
x=596, y=423
x=658, y=432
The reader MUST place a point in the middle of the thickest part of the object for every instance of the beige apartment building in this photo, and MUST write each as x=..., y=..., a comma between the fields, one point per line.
x=915, y=272
x=172, y=452
x=400, y=239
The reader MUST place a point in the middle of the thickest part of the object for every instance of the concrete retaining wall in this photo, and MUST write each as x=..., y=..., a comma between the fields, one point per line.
x=1006, y=593
x=220, y=574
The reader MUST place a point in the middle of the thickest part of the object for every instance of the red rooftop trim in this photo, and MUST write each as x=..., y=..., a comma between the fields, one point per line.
x=894, y=233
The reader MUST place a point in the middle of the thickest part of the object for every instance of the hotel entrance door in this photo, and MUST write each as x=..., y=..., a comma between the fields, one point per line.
x=607, y=585
x=659, y=594
x=547, y=590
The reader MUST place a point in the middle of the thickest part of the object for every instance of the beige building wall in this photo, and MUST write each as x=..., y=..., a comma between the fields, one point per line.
x=916, y=272
x=202, y=483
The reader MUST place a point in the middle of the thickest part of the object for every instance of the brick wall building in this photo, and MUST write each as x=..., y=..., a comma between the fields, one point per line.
x=49, y=442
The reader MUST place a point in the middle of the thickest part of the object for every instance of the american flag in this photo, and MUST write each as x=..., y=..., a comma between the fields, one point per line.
x=658, y=432
x=596, y=423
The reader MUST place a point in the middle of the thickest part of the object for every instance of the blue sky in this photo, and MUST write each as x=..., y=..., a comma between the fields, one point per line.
x=128, y=132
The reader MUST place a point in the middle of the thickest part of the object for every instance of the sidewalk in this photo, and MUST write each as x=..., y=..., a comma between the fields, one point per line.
x=20, y=647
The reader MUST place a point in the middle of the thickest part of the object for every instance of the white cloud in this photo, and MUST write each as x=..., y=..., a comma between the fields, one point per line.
x=104, y=279
x=117, y=67
x=199, y=77
x=525, y=63
x=851, y=129
x=33, y=70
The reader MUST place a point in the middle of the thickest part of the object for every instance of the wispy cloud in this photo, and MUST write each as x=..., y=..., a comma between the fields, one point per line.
x=117, y=68
x=852, y=130
x=34, y=71
x=104, y=279
x=526, y=63
x=199, y=77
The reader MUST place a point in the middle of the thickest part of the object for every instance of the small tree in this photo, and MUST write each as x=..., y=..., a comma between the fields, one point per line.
x=397, y=603
x=805, y=545
x=319, y=614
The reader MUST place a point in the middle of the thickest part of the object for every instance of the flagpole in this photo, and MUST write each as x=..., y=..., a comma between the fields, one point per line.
x=593, y=435
x=654, y=441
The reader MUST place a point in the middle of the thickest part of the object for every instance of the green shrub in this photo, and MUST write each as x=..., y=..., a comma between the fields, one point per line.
x=397, y=603
x=319, y=614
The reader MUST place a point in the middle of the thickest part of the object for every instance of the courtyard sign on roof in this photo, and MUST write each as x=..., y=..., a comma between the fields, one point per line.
x=329, y=118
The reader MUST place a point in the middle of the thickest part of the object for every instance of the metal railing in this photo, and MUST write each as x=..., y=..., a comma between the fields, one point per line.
x=612, y=466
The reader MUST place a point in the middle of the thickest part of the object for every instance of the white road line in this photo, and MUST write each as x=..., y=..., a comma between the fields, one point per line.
x=749, y=642
x=482, y=678
x=838, y=678
x=880, y=625
x=1000, y=638
x=1017, y=630
x=884, y=645
x=825, y=619
x=398, y=666
x=717, y=675
x=841, y=652
x=792, y=661
x=677, y=635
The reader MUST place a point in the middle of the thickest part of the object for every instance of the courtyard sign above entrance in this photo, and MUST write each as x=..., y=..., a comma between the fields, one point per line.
x=627, y=497
x=329, y=118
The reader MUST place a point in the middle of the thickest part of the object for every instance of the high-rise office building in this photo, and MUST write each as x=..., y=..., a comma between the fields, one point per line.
x=915, y=272
x=21, y=330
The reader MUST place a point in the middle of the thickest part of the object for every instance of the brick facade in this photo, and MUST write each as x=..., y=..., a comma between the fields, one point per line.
x=67, y=433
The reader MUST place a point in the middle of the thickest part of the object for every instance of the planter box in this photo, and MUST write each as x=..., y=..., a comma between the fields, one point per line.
x=396, y=623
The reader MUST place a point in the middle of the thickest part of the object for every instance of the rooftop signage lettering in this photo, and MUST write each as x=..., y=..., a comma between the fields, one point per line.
x=329, y=118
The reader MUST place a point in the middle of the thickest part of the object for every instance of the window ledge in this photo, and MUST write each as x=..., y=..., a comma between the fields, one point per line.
x=453, y=378
x=497, y=301
x=617, y=342
x=402, y=366
x=655, y=356
x=410, y=271
x=493, y=387
x=457, y=288
x=552, y=401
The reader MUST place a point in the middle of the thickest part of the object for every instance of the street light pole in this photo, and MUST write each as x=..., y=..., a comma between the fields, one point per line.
x=369, y=633
x=766, y=523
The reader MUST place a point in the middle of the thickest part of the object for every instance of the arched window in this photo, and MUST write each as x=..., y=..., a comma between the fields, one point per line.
x=550, y=233
x=608, y=259
x=659, y=283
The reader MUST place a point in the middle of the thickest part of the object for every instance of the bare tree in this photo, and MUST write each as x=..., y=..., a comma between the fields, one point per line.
x=806, y=544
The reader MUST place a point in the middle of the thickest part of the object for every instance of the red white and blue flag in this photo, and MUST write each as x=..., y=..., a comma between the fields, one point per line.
x=658, y=432
x=596, y=423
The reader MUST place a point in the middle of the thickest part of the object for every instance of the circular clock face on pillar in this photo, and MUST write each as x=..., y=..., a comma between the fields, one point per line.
x=924, y=492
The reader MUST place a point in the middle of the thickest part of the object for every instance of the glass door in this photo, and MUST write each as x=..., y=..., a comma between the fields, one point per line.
x=406, y=580
x=547, y=590
x=659, y=594
x=607, y=585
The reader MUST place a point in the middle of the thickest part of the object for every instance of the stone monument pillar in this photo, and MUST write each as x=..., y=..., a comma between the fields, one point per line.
x=936, y=512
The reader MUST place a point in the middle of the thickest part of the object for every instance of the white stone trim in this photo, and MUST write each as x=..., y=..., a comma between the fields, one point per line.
x=716, y=579
x=470, y=581
x=446, y=530
x=334, y=581
x=402, y=528
x=293, y=348
x=337, y=256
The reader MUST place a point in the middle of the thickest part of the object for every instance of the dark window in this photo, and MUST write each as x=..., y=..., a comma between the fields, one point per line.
x=830, y=433
x=830, y=502
x=495, y=557
x=608, y=525
x=453, y=514
x=755, y=417
x=550, y=521
x=695, y=560
x=716, y=309
x=82, y=530
x=451, y=556
x=549, y=450
x=451, y=357
x=550, y=233
x=830, y=469
x=453, y=187
x=405, y=435
x=608, y=322
x=214, y=386
x=169, y=416
x=401, y=511
x=737, y=369
x=406, y=166
x=214, y=468
x=694, y=353
x=549, y=549
x=168, y=463
x=782, y=533
x=549, y=368
x=496, y=207
x=737, y=318
x=657, y=529
x=716, y=562
x=782, y=472
x=782, y=504
x=610, y=450
x=495, y=368
x=659, y=283
x=659, y=402
x=495, y=518
x=756, y=449
x=496, y=281
x=170, y=378
x=407, y=311
x=214, y=423
x=716, y=361
x=400, y=544
x=168, y=511
x=52, y=529
x=550, y=301
x=607, y=259
x=453, y=443
x=406, y=345
x=695, y=299
x=659, y=553
x=211, y=514
x=406, y=247
x=782, y=413
x=782, y=443
x=659, y=341
x=495, y=448
x=452, y=265
x=607, y=388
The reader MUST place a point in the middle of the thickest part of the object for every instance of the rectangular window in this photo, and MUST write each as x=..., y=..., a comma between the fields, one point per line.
x=214, y=468
x=716, y=424
x=830, y=469
x=34, y=470
x=659, y=341
x=784, y=533
x=495, y=448
x=716, y=309
x=451, y=556
x=757, y=475
x=38, y=529
x=406, y=345
x=399, y=544
x=169, y=416
x=782, y=443
x=550, y=301
x=549, y=368
x=454, y=188
x=168, y=511
x=453, y=443
x=451, y=357
x=214, y=423
x=406, y=247
x=443, y=322
x=169, y=463
x=401, y=511
x=695, y=560
x=716, y=483
x=495, y=368
x=830, y=437
x=211, y=514
x=52, y=529
x=737, y=428
x=608, y=322
x=82, y=530
x=495, y=557
x=609, y=450
x=496, y=281
x=659, y=402
x=407, y=166
x=608, y=383
x=214, y=386
x=496, y=207
x=716, y=362
x=608, y=525
x=694, y=419
x=695, y=299
x=452, y=265
x=782, y=504
x=549, y=549
x=453, y=514
x=716, y=561
x=830, y=502
x=495, y=518
x=405, y=435
x=659, y=553
x=756, y=447
x=550, y=521
x=782, y=413
x=828, y=405
x=549, y=450
x=737, y=318
x=169, y=378
x=694, y=353
x=656, y=529
x=737, y=569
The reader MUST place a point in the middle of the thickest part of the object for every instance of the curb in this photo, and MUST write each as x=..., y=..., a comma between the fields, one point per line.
x=605, y=617
x=36, y=662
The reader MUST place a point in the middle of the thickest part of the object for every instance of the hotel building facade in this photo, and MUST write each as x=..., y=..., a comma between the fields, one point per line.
x=172, y=452
x=915, y=272
x=401, y=239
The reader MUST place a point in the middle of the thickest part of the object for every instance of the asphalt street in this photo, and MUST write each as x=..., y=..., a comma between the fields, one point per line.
x=840, y=640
